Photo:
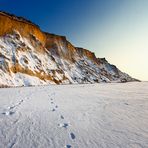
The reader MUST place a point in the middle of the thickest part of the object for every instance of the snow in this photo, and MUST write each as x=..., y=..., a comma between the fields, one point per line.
x=26, y=80
x=78, y=116
x=27, y=59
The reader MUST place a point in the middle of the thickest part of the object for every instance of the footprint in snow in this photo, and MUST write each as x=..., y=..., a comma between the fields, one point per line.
x=19, y=103
x=7, y=113
x=21, y=100
x=72, y=135
x=11, y=107
x=68, y=146
x=56, y=106
x=61, y=117
x=65, y=125
x=53, y=110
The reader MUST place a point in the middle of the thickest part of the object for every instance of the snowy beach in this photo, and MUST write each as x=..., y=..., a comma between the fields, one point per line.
x=75, y=116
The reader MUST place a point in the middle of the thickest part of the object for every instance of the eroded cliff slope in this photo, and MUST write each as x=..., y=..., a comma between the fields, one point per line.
x=29, y=56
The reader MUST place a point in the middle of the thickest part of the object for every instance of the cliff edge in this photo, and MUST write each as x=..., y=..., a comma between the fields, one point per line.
x=29, y=56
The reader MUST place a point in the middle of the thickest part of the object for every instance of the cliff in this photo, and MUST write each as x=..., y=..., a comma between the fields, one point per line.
x=29, y=56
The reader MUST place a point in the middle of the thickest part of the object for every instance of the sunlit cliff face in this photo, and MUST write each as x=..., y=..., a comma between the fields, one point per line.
x=25, y=28
x=29, y=56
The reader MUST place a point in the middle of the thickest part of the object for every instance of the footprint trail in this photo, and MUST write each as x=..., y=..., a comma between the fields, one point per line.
x=65, y=125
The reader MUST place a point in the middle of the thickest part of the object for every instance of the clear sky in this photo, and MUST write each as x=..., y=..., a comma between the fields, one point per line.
x=115, y=29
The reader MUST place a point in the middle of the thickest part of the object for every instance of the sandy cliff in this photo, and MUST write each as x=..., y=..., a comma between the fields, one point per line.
x=29, y=56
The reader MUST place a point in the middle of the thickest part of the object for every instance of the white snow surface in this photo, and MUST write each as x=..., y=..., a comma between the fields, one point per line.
x=111, y=115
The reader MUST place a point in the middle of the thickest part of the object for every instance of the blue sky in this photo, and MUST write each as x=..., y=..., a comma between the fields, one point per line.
x=115, y=29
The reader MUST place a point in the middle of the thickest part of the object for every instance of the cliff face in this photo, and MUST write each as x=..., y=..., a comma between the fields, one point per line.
x=27, y=29
x=10, y=23
x=29, y=56
x=59, y=46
